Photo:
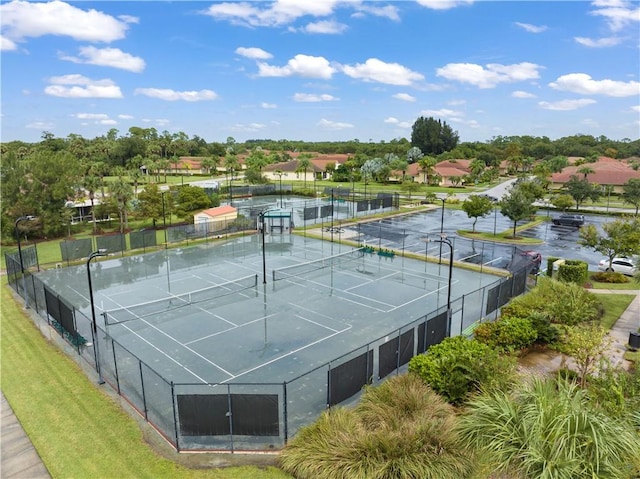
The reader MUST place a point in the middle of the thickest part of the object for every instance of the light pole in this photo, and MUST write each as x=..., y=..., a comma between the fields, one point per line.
x=441, y=228
x=280, y=174
x=164, y=219
x=263, y=227
x=445, y=240
x=17, y=233
x=94, y=326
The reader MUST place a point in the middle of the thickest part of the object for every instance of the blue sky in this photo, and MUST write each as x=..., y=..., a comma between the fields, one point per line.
x=321, y=70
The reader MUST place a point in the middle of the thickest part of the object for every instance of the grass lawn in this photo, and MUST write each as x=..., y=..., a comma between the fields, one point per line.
x=78, y=430
x=614, y=306
x=631, y=285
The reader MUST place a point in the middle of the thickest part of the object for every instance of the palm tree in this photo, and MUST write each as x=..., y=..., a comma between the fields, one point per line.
x=91, y=184
x=549, y=429
x=122, y=193
x=304, y=165
x=586, y=171
x=427, y=165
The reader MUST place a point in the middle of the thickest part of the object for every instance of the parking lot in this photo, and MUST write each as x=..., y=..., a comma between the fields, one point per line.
x=558, y=241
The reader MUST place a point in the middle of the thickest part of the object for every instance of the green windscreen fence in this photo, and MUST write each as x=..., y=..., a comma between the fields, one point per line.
x=76, y=249
x=142, y=239
x=112, y=243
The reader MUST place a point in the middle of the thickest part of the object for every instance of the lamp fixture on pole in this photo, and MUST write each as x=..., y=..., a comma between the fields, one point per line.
x=96, y=340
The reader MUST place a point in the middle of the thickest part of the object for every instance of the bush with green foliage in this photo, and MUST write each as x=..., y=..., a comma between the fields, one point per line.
x=573, y=271
x=550, y=261
x=400, y=429
x=616, y=390
x=507, y=334
x=546, y=333
x=459, y=366
x=609, y=277
x=550, y=429
x=560, y=302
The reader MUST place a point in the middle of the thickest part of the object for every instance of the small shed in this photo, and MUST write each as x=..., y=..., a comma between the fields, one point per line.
x=215, y=219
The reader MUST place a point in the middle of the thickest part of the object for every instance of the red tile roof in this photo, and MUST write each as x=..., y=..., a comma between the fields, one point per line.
x=606, y=171
x=219, y=211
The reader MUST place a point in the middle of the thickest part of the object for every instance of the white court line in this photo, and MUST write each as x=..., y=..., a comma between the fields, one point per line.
x=421, y=297
x=347, y=292
x=165, y=354
x=175, y=340
x=316, y=323
x=231, y=329
x=287, y=354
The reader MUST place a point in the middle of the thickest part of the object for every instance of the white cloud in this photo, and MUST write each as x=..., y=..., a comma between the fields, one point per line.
x=617, y=13
x=253, y=52
x=333, y=125
x=129, y=19
x=6, y=44
x=278, y=13
x=490, y=77
x=300, y=65
x=382, y=72
x=108, y=122
x=79, y=86
x=126, y=117
x=22, y=19
x=91, y=116
x=531, y=28
x=445, y=113
x=583, y=84
x=325, y=27
x=108, y=57
x=566, y=105
x=599, y=43
x=251, y=127
x=443, y=4
x=40, y=125
x=173, y=95
x=268, y=106
x=404, y=97
x=522, y=94
x=387, y=11
x=312, y=97
x=400, y=124
x=636, y=108
x=457, y=102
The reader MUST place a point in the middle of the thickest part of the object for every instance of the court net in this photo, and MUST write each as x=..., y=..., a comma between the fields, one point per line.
x=169, y=303
x=317, y=264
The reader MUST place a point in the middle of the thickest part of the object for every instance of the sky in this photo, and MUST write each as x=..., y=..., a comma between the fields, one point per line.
x=320, y=70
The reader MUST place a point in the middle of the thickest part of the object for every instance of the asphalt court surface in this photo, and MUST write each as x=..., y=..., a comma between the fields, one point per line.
x=268, y=333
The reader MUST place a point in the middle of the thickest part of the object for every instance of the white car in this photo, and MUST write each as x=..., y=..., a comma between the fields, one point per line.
x=619, y=265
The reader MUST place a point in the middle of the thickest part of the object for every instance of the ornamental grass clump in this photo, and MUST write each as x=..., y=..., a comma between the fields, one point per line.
x=400, y=429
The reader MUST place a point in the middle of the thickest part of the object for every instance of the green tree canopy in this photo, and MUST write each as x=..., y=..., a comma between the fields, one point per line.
x=631, y=193
x=580, y=190
x=517, y=205
x=620, y=238
x=475, y=207
x=191, y=199
x=432, y=136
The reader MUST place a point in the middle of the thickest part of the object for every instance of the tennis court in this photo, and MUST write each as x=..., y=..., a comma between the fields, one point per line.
x=230, y=346
x=204, y=315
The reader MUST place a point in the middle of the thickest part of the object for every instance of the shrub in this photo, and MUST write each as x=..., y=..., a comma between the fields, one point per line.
x=399, y=429
x=550, y=429
x=507, y=334
x=459, y=366
x=546, y=333
x=550, y=261
x=573, y=271
x=609, y=277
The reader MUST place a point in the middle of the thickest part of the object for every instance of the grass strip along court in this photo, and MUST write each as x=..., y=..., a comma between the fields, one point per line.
x=229, y=346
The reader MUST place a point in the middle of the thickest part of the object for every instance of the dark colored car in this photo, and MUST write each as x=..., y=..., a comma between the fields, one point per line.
x=569, y=220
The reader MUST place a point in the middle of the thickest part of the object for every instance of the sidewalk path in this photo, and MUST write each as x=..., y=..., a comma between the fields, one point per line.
x=19, y=459
x=628, y=322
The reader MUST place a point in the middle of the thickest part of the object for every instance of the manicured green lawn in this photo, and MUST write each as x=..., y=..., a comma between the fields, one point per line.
x=614, y=306
x=631, y=285
x=77, y=429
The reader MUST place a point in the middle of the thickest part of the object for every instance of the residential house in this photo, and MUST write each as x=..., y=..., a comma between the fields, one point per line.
x=215, y=219
x=606, y=171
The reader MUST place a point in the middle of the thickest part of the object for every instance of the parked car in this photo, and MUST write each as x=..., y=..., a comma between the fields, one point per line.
x=619, y=265
x=535, y=258
x=569, y=220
